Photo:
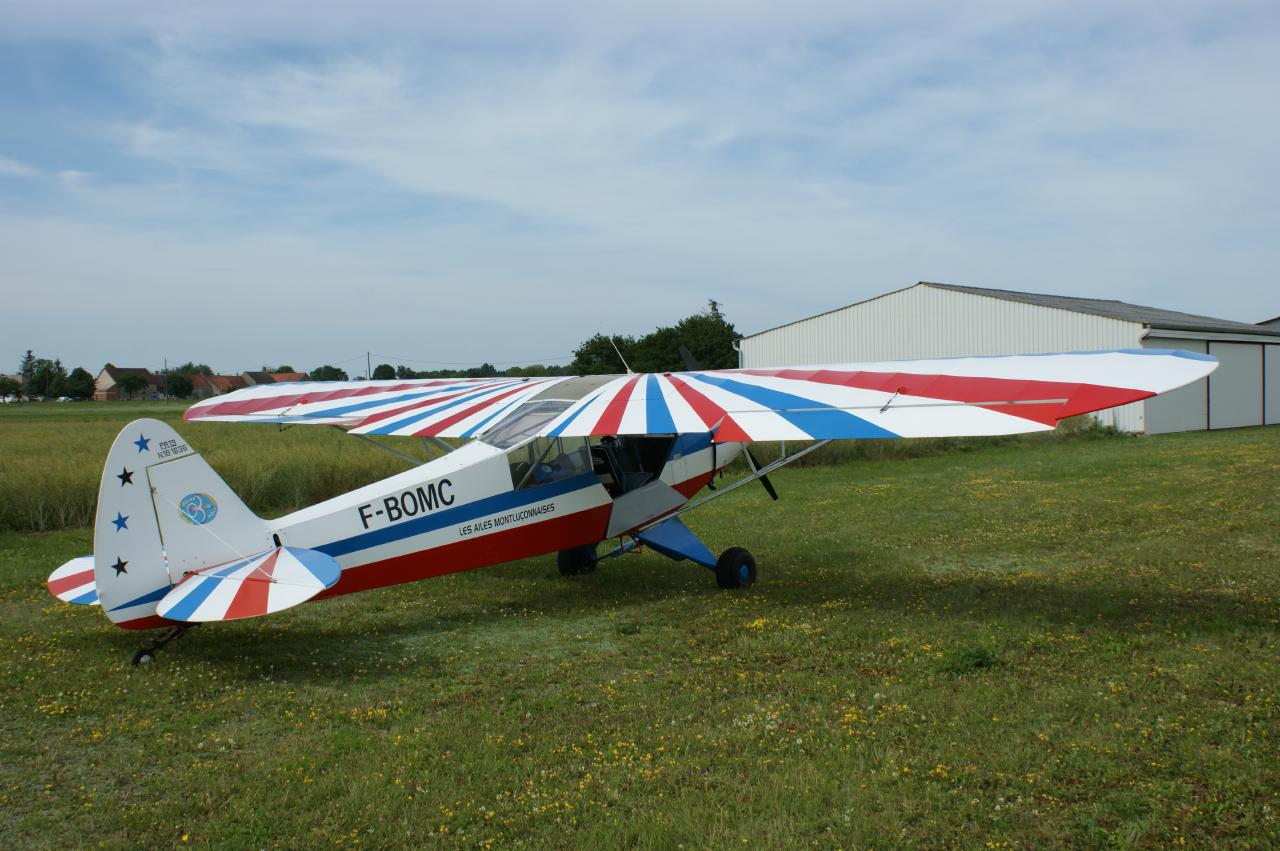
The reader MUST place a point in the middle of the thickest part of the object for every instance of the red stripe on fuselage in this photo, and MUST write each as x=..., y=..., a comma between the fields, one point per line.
x=572, y=530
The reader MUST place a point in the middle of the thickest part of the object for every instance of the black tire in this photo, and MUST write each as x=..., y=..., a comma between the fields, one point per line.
x=143, y=657
x=736, y=568
x=577, y=560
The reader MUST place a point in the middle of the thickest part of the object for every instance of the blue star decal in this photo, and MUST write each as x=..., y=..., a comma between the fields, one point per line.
x=119, y=566
x=121, y=521
x=143, y=443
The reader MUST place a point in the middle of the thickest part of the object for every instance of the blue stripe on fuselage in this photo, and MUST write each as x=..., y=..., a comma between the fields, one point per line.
x=454, y=516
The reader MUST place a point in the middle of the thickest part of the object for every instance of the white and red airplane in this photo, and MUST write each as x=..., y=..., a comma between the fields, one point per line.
x=550, y=465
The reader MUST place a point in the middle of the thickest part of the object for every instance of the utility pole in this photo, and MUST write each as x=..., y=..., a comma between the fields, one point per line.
x=367, y=362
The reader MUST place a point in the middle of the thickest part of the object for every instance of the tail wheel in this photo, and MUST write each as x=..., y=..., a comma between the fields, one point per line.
x=736, y=568
x=577, y=560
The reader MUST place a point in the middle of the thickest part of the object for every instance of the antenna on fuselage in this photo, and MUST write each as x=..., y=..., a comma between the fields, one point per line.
x=630, y=371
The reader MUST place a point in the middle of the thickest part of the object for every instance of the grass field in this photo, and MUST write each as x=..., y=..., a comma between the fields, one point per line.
x=1031, y=644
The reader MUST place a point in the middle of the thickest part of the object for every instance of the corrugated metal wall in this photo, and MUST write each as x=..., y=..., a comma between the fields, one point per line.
x=1271, y=384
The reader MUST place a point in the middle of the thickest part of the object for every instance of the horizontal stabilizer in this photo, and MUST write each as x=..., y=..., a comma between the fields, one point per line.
x=246, y=588
x=73, y=582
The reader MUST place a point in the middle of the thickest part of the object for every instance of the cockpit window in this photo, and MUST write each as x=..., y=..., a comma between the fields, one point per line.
x=524, y=421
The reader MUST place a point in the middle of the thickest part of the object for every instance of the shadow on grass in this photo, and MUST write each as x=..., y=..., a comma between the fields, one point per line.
x=389, y=632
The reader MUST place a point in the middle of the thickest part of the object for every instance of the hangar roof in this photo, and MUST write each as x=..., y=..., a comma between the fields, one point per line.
x=1153, y=317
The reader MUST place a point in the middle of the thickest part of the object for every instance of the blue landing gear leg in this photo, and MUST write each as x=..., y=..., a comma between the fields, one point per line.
x=736, y=568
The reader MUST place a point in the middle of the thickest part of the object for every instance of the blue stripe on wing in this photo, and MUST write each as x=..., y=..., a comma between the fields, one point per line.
x=826, y=423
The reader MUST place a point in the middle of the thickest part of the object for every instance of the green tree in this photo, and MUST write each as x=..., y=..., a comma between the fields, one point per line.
x=27, y=371
x=80, y=384
x=328, y=373
x=190, y=368
x=284, y=367
x=9, y=386
x=131, y=385
x=384, y=372
x=47, y=378
x=177, y=385
x=596, y=356
x=708, y=336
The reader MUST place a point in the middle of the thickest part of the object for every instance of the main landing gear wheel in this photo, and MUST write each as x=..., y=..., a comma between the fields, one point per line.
x=577, y=560
x=147, y=655
x=736, y=568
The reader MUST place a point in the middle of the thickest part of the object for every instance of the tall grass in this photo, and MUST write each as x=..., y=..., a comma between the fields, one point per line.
x=51, y=460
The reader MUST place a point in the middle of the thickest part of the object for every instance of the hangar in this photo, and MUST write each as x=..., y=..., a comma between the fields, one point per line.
x=930, y=320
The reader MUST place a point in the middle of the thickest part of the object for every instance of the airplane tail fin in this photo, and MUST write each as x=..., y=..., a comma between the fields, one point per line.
x=163, y=514
x=174, y=544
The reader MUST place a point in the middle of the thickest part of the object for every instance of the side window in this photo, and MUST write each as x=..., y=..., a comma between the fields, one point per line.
x=548, y=459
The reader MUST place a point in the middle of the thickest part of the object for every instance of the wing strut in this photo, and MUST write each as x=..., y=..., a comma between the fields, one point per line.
x=756, y=473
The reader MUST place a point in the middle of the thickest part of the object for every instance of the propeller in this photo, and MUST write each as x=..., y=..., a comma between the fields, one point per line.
x=764, y=480
x=691, y=364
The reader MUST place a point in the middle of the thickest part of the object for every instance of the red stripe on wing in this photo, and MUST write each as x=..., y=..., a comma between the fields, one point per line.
x=1080, y=398
x=66, y=583
x=437, y=427
x=425, y=403
x=709, y=412
x=611, y=419
x=268, y=403
x=251, y=599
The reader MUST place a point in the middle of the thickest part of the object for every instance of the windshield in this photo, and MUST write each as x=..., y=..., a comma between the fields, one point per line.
x=524, y=421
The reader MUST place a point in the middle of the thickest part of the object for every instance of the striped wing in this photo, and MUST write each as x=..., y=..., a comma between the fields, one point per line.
x=446, y=407
x=927, y=398
x=258, y=585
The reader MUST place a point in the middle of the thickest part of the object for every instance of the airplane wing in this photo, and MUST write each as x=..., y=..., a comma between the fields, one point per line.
x=441, y=407
x=925, y=398
x=946, y=397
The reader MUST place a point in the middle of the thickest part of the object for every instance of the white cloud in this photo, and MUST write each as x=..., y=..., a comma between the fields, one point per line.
x=503, y=186
x=13, y=168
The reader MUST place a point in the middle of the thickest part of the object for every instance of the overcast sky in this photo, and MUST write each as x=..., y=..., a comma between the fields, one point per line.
x=296, y=182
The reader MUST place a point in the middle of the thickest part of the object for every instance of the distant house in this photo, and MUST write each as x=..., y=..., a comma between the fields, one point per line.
x=252, y=378
x=106, y=385
x=204, y=386
x=280, y=377
x=1271, y=323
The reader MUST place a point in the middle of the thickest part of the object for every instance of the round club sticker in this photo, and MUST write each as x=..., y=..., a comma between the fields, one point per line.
x=198, y=508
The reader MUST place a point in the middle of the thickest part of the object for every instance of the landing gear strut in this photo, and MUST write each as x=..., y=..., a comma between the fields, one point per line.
x=147, y=655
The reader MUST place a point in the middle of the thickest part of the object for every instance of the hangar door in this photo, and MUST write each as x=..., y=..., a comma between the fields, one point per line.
x=1271, y=384
x=1184, y=409
x=1235, y=387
